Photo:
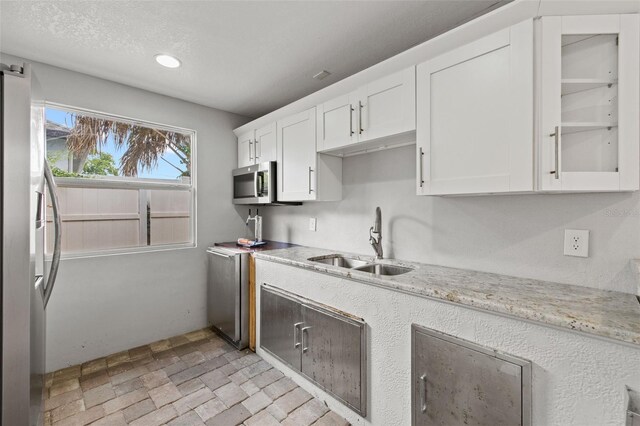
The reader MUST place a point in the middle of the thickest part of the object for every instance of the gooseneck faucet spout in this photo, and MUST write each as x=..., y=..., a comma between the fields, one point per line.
x=376, y=241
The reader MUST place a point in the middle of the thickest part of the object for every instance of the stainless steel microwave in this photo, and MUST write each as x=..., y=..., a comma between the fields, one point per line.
x=255, y=184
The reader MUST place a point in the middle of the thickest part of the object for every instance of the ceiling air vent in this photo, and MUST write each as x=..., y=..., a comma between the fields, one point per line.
x=322, y=74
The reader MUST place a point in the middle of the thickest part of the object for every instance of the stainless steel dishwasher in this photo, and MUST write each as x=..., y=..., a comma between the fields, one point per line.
x=228, y=294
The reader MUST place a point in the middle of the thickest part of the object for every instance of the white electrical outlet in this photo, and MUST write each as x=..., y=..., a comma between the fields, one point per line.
x=576, y=242
x=312, y=224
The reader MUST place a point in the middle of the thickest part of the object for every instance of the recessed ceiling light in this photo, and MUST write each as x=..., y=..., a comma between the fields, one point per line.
x=168, y=61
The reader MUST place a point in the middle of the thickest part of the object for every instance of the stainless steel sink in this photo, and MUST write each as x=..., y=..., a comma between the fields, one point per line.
x=338, y=260
x=361, y=265
x=379, y=269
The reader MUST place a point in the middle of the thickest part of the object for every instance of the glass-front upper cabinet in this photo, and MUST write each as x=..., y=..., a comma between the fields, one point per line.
x=589, y=103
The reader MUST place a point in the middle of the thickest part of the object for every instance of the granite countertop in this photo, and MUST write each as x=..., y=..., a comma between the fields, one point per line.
x=601, y=313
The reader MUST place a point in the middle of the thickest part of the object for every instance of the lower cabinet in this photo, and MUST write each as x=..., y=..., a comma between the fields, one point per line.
x=280, y=321
x=458, y=382
x=325, y=346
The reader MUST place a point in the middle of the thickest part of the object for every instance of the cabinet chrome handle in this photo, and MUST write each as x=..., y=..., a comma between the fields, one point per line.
x=303, y=331
x=421, y=159
x=296, y=326
x=360, y=118
x=255, y=150
x=423, y=393
x=310, y=170
x=556, y=135
x=351, y=132
x=250, y=145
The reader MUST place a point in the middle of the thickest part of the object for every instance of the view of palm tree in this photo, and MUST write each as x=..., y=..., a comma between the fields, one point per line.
x=144, y=148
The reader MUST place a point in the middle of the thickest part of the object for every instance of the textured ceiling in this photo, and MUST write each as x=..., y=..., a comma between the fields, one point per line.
x=245, y=57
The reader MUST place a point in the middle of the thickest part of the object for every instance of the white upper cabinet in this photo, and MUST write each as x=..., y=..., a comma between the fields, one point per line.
x=337, y=122
x=387, y=106
x=380, y=110
x=257, y=146
x=265, y=144
x=475, y=117
x=589, y=103
x=246, y=153
x=304, y=175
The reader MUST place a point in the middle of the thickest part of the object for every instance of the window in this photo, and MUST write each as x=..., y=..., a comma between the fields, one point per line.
x=122, y=184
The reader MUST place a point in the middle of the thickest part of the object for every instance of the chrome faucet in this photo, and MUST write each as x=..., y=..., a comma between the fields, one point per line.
x=376, y=242
x=258, y=225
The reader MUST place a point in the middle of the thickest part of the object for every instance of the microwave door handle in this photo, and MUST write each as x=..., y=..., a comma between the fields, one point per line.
x=256, y=187
x=261, y=184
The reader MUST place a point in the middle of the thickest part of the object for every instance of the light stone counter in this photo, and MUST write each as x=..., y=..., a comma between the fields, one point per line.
x=601, y=313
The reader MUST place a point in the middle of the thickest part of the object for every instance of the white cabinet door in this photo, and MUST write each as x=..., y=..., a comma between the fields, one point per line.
x=337, y=123
x=265, y=144
x=589, y=124
x=296, y=147
x=387, y=106
x=475, y=117
x=246, y=149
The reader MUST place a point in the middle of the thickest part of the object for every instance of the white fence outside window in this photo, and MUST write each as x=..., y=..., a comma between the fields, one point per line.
x=102, y=215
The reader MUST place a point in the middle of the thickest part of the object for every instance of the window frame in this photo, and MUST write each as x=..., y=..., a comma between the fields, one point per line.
x=111, y=182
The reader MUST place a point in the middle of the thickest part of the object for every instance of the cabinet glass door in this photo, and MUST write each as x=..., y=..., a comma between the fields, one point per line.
x=589, y=103
x=590, y=89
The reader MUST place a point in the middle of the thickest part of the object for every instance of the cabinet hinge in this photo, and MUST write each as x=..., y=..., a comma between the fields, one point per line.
x=16, y=70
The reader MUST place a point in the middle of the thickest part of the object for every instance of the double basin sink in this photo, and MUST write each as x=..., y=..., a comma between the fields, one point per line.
x=360, y=265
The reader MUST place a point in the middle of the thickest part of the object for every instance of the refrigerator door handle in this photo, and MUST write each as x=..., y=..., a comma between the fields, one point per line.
x=38, y=284
x=57, y=232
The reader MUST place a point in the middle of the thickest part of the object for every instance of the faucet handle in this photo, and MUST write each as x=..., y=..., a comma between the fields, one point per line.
x=372, y=239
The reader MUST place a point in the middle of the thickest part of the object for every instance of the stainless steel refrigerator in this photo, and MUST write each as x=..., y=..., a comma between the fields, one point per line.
x=26, y=286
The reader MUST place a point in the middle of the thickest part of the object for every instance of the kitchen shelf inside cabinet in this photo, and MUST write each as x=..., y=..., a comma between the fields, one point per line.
x=575, y=127
x=575, y=85
x=592, y=150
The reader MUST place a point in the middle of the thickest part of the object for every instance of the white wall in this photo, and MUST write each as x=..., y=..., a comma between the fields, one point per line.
x=519, y=235
x=106, y=304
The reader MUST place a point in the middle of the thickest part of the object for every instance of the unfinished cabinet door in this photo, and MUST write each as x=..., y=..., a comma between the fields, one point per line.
x=475, y=117
x=589, y=125
x=333, y=355
x=265, y=144
x=246, y=150
x=387, y=106
x=280, y=326
x=456, y=382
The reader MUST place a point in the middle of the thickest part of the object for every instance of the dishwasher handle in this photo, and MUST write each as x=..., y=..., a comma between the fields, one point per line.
x=221, y=254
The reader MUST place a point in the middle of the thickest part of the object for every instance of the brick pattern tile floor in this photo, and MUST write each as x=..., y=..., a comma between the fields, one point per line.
x=190, y=380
